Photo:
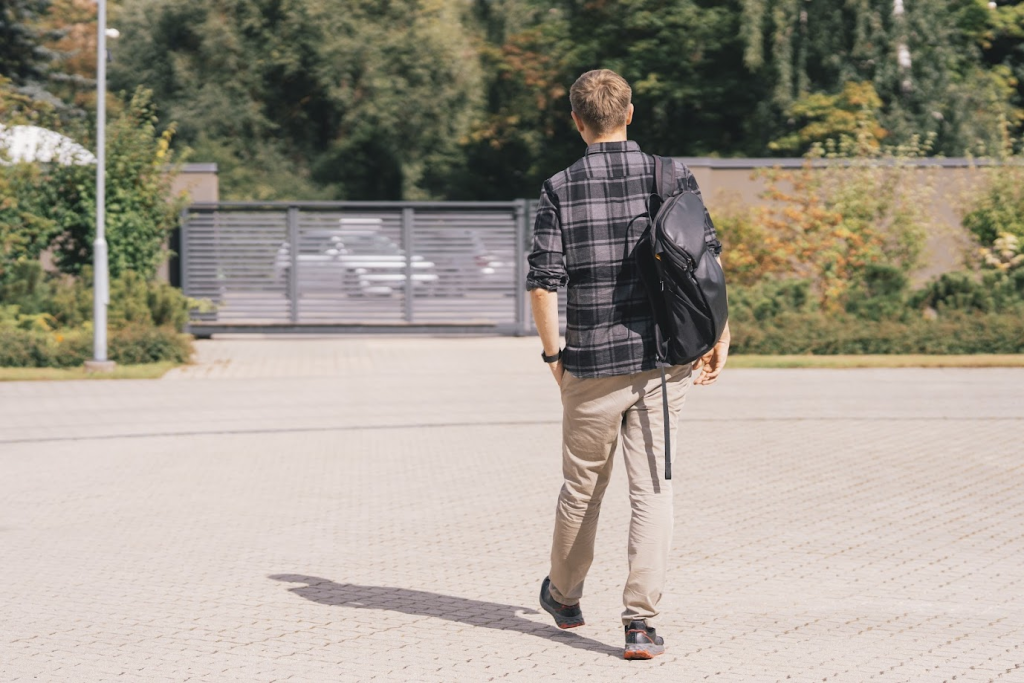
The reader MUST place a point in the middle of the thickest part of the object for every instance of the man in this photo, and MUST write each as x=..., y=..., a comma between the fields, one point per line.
x=583, y=238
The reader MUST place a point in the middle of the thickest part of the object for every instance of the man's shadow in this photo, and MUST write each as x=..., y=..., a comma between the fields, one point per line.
x=421, y=603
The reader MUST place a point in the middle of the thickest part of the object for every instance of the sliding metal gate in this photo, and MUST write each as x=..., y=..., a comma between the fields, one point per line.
x=345, y=266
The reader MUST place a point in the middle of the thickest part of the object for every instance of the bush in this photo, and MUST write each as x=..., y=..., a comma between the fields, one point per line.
x=770, y=298
x=68, y=301
x=987, y=292
x=44, y=205
x=25, y=348
x=138, y=344
x=999, y=208
x=850, y=208
x=32, y=348
x=880, y=294
x=821, y=334
x=25, y=230
x=45, y=320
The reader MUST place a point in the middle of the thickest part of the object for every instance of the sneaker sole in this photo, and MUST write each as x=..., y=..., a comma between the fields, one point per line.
x=642, y=651
x=561, y=623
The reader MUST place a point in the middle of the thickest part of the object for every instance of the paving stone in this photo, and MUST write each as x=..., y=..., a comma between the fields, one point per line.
x=356, y=509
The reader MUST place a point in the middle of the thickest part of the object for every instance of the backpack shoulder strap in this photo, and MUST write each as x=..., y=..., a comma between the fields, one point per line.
x=664, y=177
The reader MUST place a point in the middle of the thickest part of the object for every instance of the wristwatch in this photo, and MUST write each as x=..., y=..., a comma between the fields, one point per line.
x=551, y=359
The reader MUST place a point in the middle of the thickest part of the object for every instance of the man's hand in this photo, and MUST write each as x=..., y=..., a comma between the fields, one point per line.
x=713, y=361
x=558, y=370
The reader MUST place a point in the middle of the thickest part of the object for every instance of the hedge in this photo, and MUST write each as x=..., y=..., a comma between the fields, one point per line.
x=820, y=334
x=130, y=345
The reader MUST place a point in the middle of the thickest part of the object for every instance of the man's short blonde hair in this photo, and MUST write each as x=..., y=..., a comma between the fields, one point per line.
x=601, y=99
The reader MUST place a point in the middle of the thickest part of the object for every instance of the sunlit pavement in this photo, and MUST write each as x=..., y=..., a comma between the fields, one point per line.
x=380, y=509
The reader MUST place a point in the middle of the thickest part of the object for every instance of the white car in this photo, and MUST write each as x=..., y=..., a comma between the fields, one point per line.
x=355, y=259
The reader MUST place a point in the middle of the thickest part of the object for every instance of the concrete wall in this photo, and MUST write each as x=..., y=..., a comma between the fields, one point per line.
x=201, y=183
x=730, y=183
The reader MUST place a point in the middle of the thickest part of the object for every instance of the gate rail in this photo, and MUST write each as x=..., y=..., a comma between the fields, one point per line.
x=356, y=266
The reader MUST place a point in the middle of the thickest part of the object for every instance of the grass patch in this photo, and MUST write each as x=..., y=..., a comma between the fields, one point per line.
x=142, y=371
x=878, y=361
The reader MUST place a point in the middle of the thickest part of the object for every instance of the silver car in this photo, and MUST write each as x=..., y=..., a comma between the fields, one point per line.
x=356, y=258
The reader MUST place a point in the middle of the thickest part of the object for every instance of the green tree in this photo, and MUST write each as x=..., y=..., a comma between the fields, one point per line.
x=848, y=116
x=23, y=57
x=922, y=59
x=140, y=211
x=25, y=230
x=310, y=98
x=692, y=94
x=29, y=59
x=1001, y=38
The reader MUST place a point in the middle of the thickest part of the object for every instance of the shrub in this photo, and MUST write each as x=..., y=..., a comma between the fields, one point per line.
x=55, y=205
x=851, y=207
x=1005, y=254
x=988, y=292
x=880, y=293
x=45, y=320
x=130, y=345
x=750, y=253
x=24, y=348
x=818, y=333
x=25, y=230
x=769, y=299
x=68, y=301
x=999, y=207
x=138, y=344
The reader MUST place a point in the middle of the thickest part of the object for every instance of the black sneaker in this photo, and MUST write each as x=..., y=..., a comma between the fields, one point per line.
x=566, y=616
x=642, y=642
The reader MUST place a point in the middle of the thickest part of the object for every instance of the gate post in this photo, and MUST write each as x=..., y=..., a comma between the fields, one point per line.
x=183, y=251
x=407, y=243
x=521, y=314
x=293, y=270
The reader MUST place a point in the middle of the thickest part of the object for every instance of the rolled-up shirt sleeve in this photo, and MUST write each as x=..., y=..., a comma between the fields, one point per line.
x=547, y=258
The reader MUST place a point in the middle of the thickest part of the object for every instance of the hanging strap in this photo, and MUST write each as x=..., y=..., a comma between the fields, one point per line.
x=668, y=445
x=664, y=186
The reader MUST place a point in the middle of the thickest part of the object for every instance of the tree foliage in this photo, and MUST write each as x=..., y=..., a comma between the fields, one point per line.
x=32, y=59
x=354, y=99
x=848, y=212
x=24, y=57
x=845, y=117
x=467, y=99
x=54, y=205
x=140, y=211
x=998, y=208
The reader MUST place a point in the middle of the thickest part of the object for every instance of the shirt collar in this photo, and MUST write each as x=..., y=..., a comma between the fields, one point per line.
x=602, y=147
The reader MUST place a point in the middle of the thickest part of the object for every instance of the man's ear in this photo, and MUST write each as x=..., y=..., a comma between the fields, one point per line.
x=579, y=122
x=629, y=114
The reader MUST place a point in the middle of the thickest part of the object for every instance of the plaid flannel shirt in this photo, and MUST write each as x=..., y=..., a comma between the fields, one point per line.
x=580, y=240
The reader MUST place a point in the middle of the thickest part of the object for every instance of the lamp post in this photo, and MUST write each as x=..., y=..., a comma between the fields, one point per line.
x=101, y=279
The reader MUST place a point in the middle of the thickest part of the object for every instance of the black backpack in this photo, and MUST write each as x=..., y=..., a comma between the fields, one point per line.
x=684, y=283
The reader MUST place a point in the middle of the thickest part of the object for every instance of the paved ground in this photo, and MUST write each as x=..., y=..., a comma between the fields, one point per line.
x=366, y=509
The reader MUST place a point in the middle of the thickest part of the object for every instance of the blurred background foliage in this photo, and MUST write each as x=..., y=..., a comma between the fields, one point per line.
x=468, y=99
x=413, y=99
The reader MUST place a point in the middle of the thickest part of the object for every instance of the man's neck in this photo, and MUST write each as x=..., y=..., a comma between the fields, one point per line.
x=616, y=136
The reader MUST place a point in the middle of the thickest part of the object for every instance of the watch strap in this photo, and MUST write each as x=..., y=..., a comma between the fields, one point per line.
x=551, y=359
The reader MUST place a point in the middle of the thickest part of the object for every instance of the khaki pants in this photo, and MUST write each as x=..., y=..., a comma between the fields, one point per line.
x=595, y=412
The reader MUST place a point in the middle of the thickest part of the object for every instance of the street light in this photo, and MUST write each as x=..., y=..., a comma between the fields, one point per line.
x=101, y=277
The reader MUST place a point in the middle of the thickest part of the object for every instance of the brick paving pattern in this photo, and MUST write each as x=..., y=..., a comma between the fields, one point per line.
x=380, y=509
